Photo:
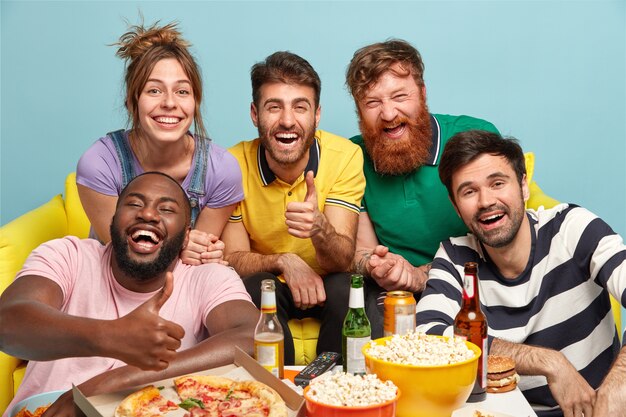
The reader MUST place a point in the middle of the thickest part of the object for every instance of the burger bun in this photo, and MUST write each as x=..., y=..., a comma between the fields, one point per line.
x=501, y=375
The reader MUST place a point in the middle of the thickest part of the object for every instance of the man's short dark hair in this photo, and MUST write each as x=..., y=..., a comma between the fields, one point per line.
x=284, y=67
x=465, y=147
x=185, y=198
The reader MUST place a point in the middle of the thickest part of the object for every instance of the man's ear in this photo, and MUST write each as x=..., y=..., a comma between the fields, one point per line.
x=525, y=188
x=254, y=115
x=318, y=115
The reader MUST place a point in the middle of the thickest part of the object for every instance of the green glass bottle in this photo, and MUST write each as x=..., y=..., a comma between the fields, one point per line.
x=356, y=330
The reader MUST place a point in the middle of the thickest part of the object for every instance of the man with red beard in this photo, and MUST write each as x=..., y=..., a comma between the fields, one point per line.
x=405, y=211
x=109, y=317
x=303, y=187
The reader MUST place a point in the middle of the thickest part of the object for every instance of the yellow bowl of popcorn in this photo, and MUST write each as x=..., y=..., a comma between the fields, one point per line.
x=434, y=373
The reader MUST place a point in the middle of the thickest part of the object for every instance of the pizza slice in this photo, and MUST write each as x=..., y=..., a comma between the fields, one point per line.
x=255, y=399
x=205, y=388
x=147, y=402
x=227, y=398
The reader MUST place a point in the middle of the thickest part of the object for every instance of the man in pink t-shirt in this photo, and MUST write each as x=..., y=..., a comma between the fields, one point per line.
x=128, y=313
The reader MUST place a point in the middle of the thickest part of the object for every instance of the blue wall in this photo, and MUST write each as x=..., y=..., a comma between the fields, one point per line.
x=551, y=73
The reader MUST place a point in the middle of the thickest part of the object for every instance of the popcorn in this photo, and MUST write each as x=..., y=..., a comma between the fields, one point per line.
x=342, y=389
x=422, y=350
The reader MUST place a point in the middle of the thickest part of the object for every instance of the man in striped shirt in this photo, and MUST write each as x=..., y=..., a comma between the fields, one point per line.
x=544, y=278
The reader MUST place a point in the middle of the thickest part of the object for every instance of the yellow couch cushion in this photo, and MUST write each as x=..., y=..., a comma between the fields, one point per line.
x=8, y=385
x=18, y=376
x=304, y=333
x=77, y=221
x=529, y=159
x=19, y=237
x=537, y=197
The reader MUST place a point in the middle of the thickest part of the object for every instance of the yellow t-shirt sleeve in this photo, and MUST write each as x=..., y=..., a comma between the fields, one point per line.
x=347, y=192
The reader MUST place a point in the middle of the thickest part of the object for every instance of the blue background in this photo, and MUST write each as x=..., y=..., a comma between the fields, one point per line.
x=551, y=73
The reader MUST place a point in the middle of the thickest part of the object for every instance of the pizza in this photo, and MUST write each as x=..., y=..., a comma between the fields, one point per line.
x=204, y=396
x=147, y=402
x=227, y=398
x=37, y=413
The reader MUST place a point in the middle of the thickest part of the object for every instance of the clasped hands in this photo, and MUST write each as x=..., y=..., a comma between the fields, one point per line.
x=393, y=272
x=203, y=248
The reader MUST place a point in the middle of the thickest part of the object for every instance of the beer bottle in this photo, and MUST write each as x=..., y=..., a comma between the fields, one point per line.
x=269, y=340
x=356, y=330
x=471, y=324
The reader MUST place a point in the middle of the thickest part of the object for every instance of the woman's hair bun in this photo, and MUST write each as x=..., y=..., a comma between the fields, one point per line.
x=139, y=39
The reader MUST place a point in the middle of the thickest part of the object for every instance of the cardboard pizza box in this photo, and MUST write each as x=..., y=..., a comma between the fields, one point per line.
x=243, y=368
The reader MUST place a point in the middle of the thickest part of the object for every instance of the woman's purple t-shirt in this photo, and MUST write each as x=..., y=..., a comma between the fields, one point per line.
x=99, y=169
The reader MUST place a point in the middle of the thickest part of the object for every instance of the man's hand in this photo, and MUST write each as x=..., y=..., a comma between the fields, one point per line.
x=307, y=287
x=62, y=407
x=304, y=220
x=610, y=403
x=203, y=248
x=144, y=339
x=570, y=390
x=393, y=272
x=611, y=396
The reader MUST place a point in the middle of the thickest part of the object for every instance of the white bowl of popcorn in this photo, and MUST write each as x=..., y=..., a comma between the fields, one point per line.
x=434, y=373
x=345, y=395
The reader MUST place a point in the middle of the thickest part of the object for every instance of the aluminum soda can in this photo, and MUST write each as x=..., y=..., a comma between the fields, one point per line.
x=400, y=311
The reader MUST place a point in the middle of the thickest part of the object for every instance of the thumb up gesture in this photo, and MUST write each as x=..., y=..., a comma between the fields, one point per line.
x=144, y=339
x=304, y=219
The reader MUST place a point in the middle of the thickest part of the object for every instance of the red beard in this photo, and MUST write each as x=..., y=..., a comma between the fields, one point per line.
x=398, y=157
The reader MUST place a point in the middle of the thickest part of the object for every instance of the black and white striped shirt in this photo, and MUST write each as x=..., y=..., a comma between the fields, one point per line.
x=560, y=301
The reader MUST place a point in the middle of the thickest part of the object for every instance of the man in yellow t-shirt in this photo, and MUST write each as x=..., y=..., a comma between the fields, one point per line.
x=303, y=190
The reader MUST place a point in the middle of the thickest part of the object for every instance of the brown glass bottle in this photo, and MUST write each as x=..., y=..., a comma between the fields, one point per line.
x=471, y=324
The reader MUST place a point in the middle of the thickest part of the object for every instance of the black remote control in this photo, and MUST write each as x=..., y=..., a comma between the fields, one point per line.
x=321, y=364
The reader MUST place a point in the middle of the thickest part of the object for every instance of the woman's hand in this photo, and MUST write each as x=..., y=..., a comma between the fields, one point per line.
x=203, y=248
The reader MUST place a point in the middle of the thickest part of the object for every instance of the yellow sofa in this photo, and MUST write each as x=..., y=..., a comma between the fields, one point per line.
x=65, y=216
x=56, y=218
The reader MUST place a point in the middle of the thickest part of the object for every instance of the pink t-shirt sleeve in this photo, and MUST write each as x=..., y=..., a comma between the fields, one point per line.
x=56, y=260
x=80, y=268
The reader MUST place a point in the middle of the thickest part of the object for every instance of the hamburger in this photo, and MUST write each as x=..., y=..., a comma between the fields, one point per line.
x=501, y=374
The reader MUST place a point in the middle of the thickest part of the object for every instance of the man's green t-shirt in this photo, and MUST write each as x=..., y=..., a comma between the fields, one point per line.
x=411, y=213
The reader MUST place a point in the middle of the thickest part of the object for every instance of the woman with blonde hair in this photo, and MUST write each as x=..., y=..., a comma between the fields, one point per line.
x=163, y=98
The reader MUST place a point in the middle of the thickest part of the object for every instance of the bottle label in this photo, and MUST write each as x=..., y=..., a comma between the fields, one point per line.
x=468, y=286
x=356, y=298
x=482, y=369
x=267, y=356
x=355, y=361
x=268, y=302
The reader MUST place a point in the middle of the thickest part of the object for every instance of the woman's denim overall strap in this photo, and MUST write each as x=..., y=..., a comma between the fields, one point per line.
x=195, y=191
x=124, y=154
